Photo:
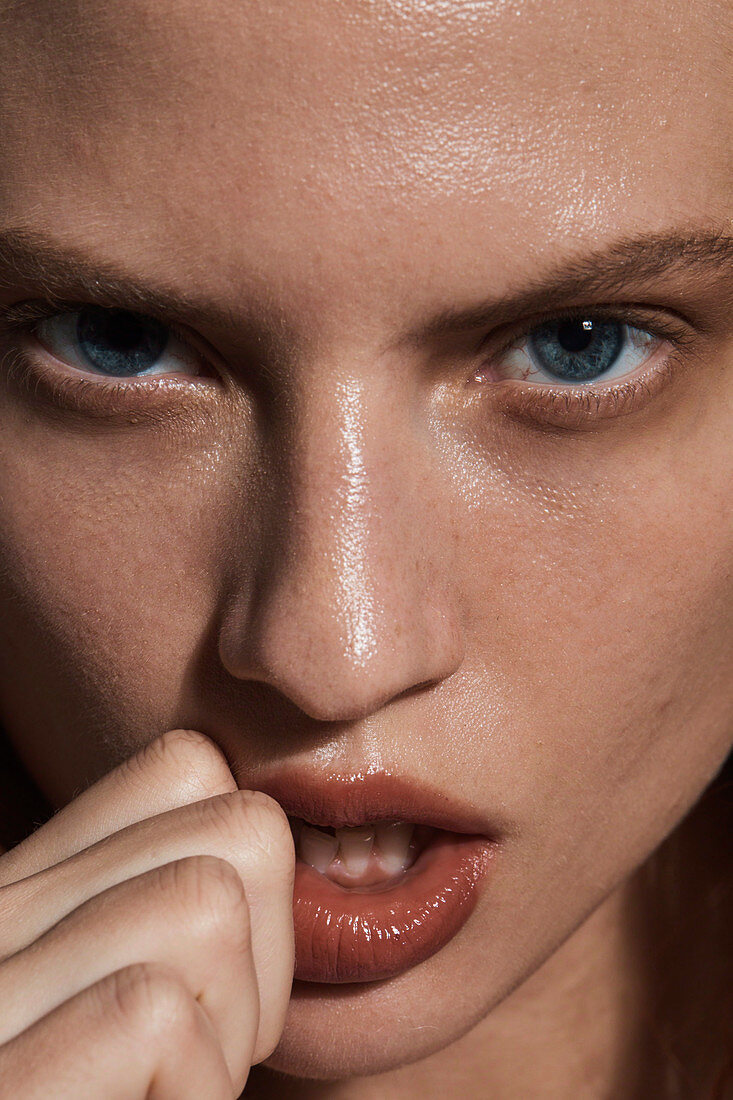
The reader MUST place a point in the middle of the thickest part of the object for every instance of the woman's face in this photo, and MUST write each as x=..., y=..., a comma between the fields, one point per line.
x=355, y=520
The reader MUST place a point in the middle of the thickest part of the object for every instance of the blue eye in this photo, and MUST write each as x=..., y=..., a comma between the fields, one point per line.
x=119, y=343
x=116, y=343
x=578, y=350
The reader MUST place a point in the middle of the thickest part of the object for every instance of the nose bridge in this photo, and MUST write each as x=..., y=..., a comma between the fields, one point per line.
x=357, y=517
x=346, y=615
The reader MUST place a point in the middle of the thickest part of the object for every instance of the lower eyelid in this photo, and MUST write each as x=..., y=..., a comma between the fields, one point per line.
x=107, y=399
x=86, y=375
x=578, y=406
x=559, y=404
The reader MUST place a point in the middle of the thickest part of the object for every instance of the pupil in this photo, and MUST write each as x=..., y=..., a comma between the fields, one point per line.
x=119, y=342
x=575, y=335
x=123, y=331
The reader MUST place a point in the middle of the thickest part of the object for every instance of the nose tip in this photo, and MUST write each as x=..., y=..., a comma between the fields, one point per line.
x=338, y=660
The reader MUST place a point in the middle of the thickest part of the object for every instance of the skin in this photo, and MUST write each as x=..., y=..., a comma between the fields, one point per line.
x=337, y=549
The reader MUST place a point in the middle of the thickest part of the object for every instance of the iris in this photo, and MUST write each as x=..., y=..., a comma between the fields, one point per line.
x=119, y=342
x=577, y=350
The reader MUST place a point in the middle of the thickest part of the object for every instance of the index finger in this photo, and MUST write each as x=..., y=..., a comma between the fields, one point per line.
x=180, y=767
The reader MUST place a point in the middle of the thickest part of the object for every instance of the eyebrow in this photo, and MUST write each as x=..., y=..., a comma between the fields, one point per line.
x=62, y=273
x=635, y=262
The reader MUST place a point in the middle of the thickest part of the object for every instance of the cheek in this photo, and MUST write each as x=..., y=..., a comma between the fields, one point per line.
x=107, y=587
x=608, y=611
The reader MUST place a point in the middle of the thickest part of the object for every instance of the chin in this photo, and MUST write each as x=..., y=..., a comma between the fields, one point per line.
x=334, y=1032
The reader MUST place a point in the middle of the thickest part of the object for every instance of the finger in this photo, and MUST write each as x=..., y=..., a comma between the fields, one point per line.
x=136, y=1035
x=191, y=916
x=246, y=828
x=180, y=767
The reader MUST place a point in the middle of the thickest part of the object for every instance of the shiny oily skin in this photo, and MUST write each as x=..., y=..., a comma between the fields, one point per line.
x=335, y=548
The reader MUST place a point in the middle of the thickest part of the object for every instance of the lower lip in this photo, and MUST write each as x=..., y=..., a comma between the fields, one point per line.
x=343, y=935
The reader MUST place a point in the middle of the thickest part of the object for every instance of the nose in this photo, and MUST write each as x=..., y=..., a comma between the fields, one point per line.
x=350, y=604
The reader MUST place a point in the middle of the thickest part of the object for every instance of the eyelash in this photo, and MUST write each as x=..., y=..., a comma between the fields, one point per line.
x=568, y=405
x=521, y=400
x=92, y=396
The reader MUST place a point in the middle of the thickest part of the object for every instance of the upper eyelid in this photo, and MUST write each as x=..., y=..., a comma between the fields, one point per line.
x=662, y=323
x=25, y=316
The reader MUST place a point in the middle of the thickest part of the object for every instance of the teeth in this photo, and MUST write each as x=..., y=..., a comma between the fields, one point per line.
x=393, y=841
x=355, y=848
x=317, y=848
x=369, y=852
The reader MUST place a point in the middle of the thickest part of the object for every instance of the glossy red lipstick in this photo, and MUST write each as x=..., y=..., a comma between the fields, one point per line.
x=345, y=934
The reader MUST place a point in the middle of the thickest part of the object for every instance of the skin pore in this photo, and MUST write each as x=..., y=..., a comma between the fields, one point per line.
x=349, y=543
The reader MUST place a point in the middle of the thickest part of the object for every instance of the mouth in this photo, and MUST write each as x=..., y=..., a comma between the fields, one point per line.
x=386, y=874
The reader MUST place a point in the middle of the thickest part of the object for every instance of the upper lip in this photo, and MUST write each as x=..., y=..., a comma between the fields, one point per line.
x=340, y=800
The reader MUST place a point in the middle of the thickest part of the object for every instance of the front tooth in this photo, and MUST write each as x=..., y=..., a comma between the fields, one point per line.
x=317, y=848
x=355, y=848
x=393, y=840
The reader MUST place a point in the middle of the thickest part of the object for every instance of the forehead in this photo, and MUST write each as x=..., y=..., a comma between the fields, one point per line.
x=349, y=126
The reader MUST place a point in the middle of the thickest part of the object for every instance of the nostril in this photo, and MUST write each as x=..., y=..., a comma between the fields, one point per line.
x=415, y=689
x=324, y=685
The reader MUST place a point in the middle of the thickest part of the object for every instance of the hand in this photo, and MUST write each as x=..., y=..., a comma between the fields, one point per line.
x=146, y=939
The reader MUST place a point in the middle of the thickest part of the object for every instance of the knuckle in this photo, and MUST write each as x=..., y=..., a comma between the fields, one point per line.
x=199, y=763
x=12, y=905
x=260, y=819
x=148, y=1001
x=208, y=890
